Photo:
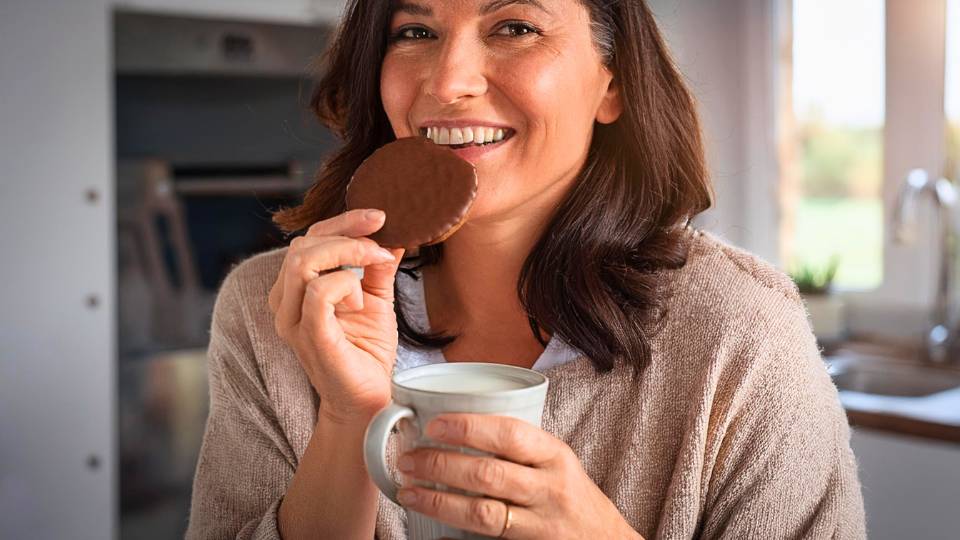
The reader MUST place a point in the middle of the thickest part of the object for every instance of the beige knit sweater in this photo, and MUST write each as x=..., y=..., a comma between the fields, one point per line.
x=734, y=431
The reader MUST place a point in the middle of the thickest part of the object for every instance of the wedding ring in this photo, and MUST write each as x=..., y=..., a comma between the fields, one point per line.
x=507, y=522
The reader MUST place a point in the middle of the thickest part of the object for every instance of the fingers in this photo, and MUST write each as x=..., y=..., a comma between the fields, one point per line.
x=313, y=257
x=320, y=297
x=378, y=278
x=316, y=255
x=476, y=514
x=511, y=438
x=487, y=475
x=354, y=223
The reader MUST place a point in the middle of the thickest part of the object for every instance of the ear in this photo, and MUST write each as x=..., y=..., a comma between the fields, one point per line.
x=610, y=105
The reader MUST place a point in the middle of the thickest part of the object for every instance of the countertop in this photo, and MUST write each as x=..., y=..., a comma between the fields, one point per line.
x=935, y=416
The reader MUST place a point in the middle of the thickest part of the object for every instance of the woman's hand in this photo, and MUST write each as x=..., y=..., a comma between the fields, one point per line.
x=539, y=477
x=343, y=330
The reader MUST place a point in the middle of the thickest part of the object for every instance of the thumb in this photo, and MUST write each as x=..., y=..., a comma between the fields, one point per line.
x=378, y=278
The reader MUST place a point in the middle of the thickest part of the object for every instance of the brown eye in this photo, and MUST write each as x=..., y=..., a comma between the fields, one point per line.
x=411, y=33
x=517, y=29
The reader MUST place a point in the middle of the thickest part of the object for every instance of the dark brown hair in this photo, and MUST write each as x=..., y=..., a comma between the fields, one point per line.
x=594, y=277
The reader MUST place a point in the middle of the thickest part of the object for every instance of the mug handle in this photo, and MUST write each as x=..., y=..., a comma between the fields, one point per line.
x=375, y=446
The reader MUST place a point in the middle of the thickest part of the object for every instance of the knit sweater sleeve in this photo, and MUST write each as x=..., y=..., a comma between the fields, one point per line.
x=245, y=460
x=785, y=468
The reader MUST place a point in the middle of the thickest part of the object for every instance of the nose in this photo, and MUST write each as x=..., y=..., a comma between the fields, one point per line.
x=458, y=71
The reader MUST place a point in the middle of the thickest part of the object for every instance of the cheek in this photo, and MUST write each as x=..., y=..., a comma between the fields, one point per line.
x=532, y=85
x=550, y=91
x=396, y=93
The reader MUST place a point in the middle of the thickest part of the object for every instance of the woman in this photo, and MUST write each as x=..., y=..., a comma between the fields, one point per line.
x=687, y=396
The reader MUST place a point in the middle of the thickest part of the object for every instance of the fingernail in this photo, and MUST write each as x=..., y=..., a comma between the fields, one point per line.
x=405, y=464
x=384, y=254
x=374, y=215
x=407, y=496
x=437, y=429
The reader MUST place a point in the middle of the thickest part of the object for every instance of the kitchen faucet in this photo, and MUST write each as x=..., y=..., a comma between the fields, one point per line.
x=942, y=337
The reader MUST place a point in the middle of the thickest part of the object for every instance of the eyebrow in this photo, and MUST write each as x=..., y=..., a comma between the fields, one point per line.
x=489, y=7
x=494, y=5
x=412, y=9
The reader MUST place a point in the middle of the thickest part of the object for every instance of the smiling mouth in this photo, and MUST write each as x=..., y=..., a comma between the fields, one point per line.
x=456, y=138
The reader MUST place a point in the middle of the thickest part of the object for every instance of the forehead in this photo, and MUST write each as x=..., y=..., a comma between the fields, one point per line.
x=482, y=7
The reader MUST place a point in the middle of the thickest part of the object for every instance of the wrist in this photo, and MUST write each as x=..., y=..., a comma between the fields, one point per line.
x=348, y=417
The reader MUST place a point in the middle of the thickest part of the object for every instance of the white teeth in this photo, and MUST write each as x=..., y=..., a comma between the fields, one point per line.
x=465, y=135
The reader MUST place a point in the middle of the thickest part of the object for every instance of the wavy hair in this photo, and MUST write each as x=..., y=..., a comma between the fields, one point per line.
x=595, y=277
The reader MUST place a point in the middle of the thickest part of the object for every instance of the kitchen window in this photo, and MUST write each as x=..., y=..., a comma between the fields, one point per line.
x=952, y=91
x=832, y=190
x=865, y=93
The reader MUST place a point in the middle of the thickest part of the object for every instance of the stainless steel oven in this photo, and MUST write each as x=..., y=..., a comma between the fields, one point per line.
x=212, y=134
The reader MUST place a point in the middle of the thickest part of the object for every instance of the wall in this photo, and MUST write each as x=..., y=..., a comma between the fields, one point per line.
x=724, y=50
x=56, y=321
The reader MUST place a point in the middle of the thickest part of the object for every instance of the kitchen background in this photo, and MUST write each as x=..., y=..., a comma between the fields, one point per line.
x=143, y=144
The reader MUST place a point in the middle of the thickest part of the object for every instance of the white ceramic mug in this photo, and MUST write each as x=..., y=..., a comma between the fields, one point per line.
x=421, y=393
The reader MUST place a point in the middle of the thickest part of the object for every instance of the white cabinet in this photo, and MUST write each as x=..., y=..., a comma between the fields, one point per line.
x=911, y=486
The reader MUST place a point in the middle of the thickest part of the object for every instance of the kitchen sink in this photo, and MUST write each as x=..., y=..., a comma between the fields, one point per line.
x=890, y=375
x=886, y=385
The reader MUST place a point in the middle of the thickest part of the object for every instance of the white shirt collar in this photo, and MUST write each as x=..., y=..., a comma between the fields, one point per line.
x=557, y=352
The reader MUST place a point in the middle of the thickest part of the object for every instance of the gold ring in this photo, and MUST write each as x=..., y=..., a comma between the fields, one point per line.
x=507, y=522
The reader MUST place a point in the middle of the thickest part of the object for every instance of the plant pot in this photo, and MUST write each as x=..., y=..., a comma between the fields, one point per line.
x=826, y=314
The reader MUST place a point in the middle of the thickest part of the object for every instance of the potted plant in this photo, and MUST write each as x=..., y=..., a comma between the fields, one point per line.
x=824, y=308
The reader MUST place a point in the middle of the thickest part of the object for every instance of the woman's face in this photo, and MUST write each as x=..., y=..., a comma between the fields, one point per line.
x=525, y=73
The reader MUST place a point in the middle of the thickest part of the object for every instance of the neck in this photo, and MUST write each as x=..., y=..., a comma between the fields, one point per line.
x=477, y=279
x=473, y=291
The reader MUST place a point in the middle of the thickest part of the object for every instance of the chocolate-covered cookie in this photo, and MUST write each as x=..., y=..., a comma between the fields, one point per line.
x=425, y=189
